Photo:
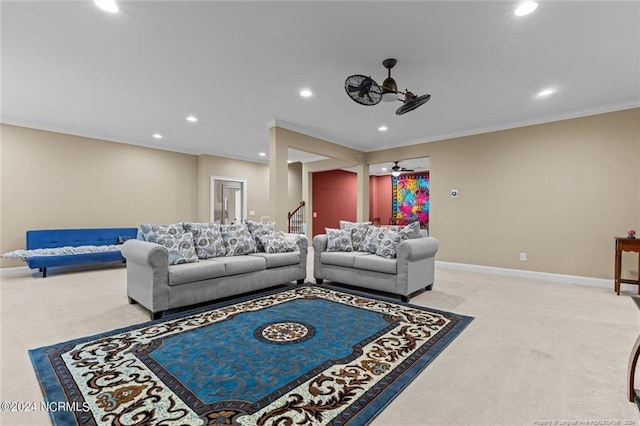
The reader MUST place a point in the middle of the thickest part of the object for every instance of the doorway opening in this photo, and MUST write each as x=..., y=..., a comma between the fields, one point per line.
x=228, y=200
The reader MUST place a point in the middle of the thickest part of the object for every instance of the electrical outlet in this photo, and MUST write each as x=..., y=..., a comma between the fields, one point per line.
x=523, y=256
x=252, y=212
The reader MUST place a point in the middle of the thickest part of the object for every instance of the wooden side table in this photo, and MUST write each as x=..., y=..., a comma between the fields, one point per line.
x=625, y=244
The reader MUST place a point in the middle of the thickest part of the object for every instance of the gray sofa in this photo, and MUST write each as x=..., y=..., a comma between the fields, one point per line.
x=158, y=286
x=408, y=274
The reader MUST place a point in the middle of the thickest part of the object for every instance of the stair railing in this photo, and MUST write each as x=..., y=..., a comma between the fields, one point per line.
x=296, y=219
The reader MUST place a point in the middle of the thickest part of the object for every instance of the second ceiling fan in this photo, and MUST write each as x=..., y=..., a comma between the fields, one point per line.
x=365, y=91
x=396, y=170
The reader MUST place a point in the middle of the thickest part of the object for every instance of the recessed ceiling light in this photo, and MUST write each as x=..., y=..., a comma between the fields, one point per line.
x=383, y=128
x=306, y=93
x=384, y=169
x=263, y=154
x=107, y=5
x=526, y=8
x=157, y=136
x=545, y=92
x=192, y=119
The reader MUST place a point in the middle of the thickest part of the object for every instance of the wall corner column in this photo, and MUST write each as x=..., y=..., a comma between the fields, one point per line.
x=307, y=196
x=362, y=209
x=278, y=180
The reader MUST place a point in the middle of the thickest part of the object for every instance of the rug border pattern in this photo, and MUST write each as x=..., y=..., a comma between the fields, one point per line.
x=46, y=362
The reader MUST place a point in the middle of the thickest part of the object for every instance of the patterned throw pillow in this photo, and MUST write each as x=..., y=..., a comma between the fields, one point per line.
x=388, y=247
x=358, y=232
x=373, y=238
x=276, y=242
x=146, y=229
x=238, y=240
x=207, y=239
x=258, y=230
x=410, y=231
x=180, y=246
x=251, y=225
x=339, y=240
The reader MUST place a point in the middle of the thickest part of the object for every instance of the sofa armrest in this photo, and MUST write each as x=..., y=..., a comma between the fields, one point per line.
x=301, y=241
x=320, y=243
x=146, y=254
x=417, y=249
x=147, y=274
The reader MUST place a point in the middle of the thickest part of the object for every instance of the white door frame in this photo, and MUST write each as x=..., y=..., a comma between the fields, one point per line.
x=243, y=183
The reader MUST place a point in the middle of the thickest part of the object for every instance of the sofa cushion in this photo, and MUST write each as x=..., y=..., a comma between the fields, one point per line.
x=338, y=240
x=375, y=263
x=52, y=238
x=180, y=246
x=275, y=260
x=192, y=272
x=238, y=240
x=345, y=259
x=207, y=239
x=241, y=264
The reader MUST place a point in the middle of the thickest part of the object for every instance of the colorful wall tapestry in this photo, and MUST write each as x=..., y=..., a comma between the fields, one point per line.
x=411, y=199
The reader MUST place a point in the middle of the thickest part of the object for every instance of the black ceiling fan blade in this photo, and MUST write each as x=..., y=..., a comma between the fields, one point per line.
x=412, y=102
x=363, y=89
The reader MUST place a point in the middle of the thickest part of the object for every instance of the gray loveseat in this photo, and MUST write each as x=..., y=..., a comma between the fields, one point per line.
x=158, y=286
x=408, y=274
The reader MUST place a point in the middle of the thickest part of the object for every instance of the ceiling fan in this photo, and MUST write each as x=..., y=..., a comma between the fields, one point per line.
x=365, y=91
x=396, y=170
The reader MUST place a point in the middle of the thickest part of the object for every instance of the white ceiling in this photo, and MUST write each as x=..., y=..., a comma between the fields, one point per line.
x=68, y=66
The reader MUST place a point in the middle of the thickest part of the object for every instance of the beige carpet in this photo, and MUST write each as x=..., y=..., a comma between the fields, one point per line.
x=537, y=352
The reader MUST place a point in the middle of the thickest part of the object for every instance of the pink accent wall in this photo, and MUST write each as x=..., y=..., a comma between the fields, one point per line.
x=380, y=197
x=335, y=197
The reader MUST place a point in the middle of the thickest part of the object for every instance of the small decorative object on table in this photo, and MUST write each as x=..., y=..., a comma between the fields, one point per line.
x=631, y=233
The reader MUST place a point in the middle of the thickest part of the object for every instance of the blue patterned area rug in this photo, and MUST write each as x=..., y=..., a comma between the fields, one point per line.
x=299, y=355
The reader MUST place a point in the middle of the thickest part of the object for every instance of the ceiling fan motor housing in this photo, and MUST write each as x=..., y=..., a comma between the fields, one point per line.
x=389, y=86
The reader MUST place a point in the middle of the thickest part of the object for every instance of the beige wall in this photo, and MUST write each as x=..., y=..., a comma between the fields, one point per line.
x=257, y=176
x=53, y=180
x=295, y=185
x=280, y=141
x=559, y=192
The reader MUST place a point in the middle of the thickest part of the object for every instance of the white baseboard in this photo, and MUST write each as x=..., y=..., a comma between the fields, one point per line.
x=521, y=273
x=546, y=276
x=17, y=271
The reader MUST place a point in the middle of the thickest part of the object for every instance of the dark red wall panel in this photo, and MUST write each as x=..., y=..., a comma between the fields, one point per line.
x=335, y=197
x=380, y=198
